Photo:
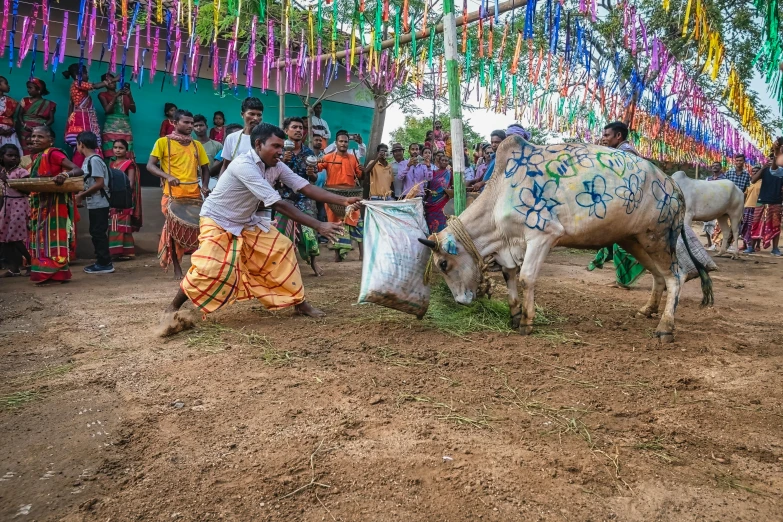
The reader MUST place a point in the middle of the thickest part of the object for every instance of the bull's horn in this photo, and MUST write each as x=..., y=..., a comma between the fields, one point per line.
x=427, y=242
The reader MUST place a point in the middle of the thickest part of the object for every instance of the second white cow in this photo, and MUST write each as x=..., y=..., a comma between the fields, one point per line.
x=708, y=200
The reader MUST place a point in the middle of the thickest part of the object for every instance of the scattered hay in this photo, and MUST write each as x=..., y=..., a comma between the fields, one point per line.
x=657, y=448
x=17, y=399
x=731, y=482
x=481, y=421
x=482, y=315
x=209, y=337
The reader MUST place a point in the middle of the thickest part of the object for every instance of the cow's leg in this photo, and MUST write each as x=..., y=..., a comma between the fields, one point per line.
x=723, y=221
x=538, y=248
x=736, y=223
x=634, y=248
x=511, y=275
x=663, y=259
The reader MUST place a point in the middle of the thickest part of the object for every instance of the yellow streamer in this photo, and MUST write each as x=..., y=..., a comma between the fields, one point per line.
x=685, y=21
x=190, y=17
x=215, y=14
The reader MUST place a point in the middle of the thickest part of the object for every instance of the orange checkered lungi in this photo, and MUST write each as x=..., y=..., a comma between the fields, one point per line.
x=228, y=268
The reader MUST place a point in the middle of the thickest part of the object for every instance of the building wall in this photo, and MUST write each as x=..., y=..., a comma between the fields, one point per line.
x=348, y=108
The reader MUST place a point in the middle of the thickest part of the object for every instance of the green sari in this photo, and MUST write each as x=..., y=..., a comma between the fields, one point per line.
x=117, y=126
x=626, y=268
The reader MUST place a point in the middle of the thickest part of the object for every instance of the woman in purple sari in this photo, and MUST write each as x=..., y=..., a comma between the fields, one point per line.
x=436, y=198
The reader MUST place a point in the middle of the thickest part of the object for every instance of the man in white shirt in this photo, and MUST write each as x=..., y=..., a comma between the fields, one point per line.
x=241, y=255
x=239, y=142
x=399, y=158
x=319, y=124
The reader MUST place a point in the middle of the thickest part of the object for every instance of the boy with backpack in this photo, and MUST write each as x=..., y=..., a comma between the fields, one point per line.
x=96, y=197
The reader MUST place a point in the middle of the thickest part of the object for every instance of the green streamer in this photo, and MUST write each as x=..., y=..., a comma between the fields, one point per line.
x=320, y=18
x=262, y=10
x=378, y=27
x=468, y=63
x=432, y=44
x=482, y=77
x=397, y=34
x=413, y=43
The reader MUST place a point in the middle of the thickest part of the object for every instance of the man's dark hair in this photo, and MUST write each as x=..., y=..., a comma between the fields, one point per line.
x=251, y=103
x=381, y=146
x=168, y=106
x=199, y=118
x=292, y=119
x=180, y=113
x=263, y=131
x=231, y=128
x=618, y=127
x=341, y=132
x=499, y=133
x=739, y=155
x=414, y=144
x=88, y=139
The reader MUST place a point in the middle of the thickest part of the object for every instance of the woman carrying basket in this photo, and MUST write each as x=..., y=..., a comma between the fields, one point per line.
x=52, y=220
x=177, y=159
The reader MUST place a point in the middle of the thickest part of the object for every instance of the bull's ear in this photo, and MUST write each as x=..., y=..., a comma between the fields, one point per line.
x=429, y=243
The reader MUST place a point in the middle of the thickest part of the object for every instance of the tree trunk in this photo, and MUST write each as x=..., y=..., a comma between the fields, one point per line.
x=376, y=135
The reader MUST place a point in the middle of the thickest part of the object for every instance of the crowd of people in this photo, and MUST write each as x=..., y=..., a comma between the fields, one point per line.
x=37, y=233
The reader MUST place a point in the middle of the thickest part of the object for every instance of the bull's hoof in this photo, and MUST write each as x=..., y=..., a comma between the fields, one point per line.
x=665, y=337
x=525, y=329
x=646, y=312
x=515, y=321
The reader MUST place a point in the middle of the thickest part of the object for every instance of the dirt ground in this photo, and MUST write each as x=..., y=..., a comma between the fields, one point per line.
x=371, y=415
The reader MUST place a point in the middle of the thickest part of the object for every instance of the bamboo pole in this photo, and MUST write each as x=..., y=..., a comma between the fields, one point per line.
x=455, y=105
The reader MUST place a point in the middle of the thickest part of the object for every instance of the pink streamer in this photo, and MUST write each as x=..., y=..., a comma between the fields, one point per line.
x=64, y=36
x=4, y=28
x=45, y=34
x=632, y=18
x=22, y=53
x=347, y=62
x=177, y=48
x=91, y=34
x=154, y=58
x=215, y=66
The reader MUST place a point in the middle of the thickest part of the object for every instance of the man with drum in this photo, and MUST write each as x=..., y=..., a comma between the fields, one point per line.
x=178, y=159
x=241, y=255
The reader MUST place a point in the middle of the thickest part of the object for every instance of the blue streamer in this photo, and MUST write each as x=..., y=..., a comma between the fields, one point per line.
x=35, y=51
x=11, y=36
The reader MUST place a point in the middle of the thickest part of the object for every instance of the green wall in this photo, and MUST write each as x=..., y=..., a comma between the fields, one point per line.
x=150, y=100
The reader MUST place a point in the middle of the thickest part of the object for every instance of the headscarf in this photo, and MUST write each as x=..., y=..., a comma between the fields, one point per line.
x=40, y=84
x=517, y=130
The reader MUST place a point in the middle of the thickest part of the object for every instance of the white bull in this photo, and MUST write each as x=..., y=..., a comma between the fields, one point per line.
x=707, y=200
x=579, y=196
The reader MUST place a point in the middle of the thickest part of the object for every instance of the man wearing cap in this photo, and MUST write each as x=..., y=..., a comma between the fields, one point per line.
x=398, y=153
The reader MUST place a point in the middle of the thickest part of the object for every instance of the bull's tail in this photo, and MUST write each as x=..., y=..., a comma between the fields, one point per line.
x=708, y=297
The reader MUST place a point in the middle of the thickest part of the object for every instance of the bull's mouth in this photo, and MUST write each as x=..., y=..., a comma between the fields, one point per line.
x=465, y=298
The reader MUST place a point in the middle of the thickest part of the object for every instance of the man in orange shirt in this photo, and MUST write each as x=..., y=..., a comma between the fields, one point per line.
x=343, y=171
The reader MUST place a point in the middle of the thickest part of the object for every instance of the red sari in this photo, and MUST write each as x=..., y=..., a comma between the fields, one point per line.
x=52, y=222
x=166, y=128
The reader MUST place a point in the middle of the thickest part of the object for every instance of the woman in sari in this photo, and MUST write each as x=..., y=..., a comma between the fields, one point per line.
x=34, y=111
x=436, y=197
x=118, y=105
x=81, y=113
x=52, y=219
x=123, y=222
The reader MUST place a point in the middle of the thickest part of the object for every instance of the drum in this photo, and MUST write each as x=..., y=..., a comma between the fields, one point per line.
x=348, y=192
x=182, y=221
x=28, y=185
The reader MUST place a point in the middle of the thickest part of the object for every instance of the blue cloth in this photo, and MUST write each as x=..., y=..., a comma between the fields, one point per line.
x=320, y=181
x=488, y=173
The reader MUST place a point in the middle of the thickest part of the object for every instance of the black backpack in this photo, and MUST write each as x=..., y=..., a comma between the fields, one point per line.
x=120, y=195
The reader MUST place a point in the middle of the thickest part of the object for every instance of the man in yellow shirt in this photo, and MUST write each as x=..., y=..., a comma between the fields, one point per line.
x=178, y=160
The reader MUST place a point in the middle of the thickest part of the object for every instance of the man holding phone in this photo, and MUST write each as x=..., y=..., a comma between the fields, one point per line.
x=360, y=152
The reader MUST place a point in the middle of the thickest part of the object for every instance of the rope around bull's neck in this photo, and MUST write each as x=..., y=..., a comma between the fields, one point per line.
x=461, y=234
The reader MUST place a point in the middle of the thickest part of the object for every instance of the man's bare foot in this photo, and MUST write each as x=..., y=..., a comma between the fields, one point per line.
x=309, y=310
x=178, y=274
x=337, y=257
x=316, y=267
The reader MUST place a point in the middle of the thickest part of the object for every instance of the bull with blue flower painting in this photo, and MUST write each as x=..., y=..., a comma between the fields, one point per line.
x=572, y=195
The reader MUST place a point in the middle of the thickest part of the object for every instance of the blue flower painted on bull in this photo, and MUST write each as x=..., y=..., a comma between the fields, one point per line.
x=537, y=204
x=631, y=192
x=449, y=245
x=529, y=159
x=594, y=197
x=668, y=202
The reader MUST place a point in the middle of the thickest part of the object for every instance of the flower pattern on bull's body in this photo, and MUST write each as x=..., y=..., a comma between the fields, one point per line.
x=631, y=192
x=530, y=163
x=537, y=203
x=594, y=197
x=668, y=201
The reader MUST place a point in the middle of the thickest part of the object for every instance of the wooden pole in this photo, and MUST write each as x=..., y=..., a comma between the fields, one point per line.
x=455, y=106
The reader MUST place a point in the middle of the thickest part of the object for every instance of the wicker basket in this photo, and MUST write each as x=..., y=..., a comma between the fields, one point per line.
x=28, y=185
x=347, y=192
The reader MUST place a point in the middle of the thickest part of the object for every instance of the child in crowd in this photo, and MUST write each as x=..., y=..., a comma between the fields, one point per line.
x=218, y=131
x=95, y=195
x=14, y=212
x=167, y=127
